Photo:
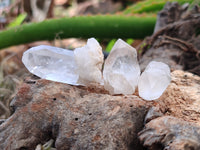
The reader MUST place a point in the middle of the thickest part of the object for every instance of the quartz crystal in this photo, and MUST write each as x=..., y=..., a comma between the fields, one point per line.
x=121, y=69
x=51, y=63
x=154, y=80
x=83, y=66
x=89, y=60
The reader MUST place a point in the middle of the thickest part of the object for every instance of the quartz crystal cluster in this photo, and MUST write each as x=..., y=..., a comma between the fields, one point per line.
x=83, y=66
x=121, y=70
x=79, y=67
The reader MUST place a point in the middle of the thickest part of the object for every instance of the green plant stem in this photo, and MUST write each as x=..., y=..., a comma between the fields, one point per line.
x=107, y=26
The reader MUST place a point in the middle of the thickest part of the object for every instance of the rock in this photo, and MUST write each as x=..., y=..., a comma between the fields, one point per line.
x=77, y=117
x=89, y=60
x=121, y=70
x=51, y=63
x=178, y=128
x=181, y=99
x=153, y=113
x=154, y=80
x=171, y=133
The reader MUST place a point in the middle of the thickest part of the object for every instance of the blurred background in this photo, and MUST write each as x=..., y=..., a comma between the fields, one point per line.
x=39, y=10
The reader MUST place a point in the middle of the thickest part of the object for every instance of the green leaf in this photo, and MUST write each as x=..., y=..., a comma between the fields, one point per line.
x=153, y=6
x=110, y=45
x=17, y=21
x=130, y=41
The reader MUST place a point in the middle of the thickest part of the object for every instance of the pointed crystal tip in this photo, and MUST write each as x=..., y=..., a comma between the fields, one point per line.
x=83, y=66
x=121, y=69
x=80, y=67
x=51, y=63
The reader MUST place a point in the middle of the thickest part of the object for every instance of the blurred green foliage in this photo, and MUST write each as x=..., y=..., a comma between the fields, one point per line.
x=18, y=20
x=153, y=6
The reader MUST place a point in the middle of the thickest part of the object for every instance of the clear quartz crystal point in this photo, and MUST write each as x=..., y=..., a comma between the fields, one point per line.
x=154, y=80
x=89, y=59
x=121, y=69
x=51, y=63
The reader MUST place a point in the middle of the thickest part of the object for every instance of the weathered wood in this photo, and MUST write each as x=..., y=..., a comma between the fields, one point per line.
x=176, y=39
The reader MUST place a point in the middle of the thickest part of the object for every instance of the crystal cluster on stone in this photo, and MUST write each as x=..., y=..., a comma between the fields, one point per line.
x=79, y=67
x=154, y=80
x=51, y=63
x=121, y=69
x=83, y=66
x=89, y=59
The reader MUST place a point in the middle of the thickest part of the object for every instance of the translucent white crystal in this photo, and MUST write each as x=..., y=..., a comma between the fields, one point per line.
x=89, y=60
x=154, y=80
x=121, y=69
x=51, y=63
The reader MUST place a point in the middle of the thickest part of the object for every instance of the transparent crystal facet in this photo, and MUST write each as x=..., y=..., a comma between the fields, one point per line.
x=51, y=63
x=154, y=80
x=121, y=69
x=89, y=60
x=121, y=73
